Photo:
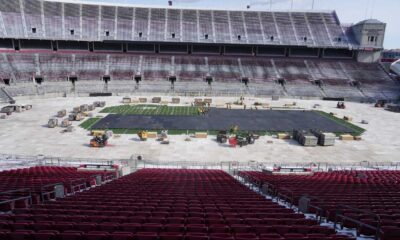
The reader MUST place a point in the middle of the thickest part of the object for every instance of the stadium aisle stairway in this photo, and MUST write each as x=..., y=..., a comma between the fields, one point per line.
x=371, y=197
x=163, y=204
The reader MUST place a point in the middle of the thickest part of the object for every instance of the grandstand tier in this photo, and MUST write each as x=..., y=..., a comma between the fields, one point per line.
x=353, y=198
x=56, y=20
x=164, y=204
x=265, y=76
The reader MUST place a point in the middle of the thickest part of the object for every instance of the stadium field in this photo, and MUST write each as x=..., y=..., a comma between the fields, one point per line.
x=130, y=119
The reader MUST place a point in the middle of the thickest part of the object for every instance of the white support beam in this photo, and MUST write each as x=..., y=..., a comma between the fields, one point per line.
x=241, y=67
x=107, y=65
x=116, y=23
x=230, y=26
x=309, y=29
x=294, y=28
x=278, y=75
x=213, y=27
x=262, y=27
x=99, y=28
x=80, y=21
x=166, y=25
x=181, y=25
x=42, y=19
x=37, y=65
x=133, y=23
x=245, y=28
x=277, y=29
x=198, y=25
x=149, y=24
x=63, y=20
x=2, y=26
x=23, y=18
x=73, y=64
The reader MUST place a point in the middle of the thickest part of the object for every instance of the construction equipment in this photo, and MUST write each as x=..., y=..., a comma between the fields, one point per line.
x=100, y=104
x=222, y=137
x=243, y=139
x=381, y=103
x=53, y=122
x=341, y=105
x=163, y=137
x=99, y=141
x=66, y=123
x=142, y=135
x=62, y=113
x=75, y=117
x=84, y=108
x=76, y=110
x=15, y=108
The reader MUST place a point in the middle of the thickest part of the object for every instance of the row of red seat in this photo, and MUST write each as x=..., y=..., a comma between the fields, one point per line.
x=101, y=235
x=210, y=204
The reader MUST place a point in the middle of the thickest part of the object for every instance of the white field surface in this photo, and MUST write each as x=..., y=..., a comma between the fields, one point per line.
x=27, y=133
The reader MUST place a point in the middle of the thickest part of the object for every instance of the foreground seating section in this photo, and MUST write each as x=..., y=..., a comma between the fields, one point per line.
x=35, y=180
x=372, y=192
x=164, y=204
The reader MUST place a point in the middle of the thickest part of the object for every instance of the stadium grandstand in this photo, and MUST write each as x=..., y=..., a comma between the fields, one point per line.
x=128, y=122
x=51, y=47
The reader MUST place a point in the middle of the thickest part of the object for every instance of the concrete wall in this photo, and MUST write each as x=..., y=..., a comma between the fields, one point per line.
x=368, y=56
x=364, y=30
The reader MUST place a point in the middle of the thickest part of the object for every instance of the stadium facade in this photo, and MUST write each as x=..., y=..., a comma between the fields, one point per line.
x=56, y=47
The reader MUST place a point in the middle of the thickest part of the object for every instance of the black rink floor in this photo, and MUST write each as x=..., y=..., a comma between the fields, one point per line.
x=223, y=119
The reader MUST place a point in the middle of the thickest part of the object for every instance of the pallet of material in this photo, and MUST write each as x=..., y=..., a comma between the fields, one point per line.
x=126, y=100
x=346, y=137
x=201, y=135
x=156, y=100
x=283, y=136
x=324, y=139
x=151, y=134
x=176, y=100
x=143, y=100
x=308, y=140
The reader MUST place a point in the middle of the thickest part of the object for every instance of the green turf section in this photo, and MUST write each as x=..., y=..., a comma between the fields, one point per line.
x=152, y=110
x=357, y=130
x=89, y=123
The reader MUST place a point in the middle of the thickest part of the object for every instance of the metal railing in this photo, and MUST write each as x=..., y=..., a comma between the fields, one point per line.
x=340, y=217
x=47, y=191
x=12, y=196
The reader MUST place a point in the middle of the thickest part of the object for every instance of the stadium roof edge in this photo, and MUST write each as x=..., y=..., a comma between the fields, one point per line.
x=179, y=7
